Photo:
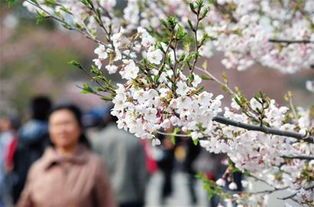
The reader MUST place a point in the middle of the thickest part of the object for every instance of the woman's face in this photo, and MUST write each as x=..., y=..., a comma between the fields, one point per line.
x=64, y=129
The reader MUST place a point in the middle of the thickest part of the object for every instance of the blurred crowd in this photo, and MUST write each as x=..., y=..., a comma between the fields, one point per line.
x=61, y=157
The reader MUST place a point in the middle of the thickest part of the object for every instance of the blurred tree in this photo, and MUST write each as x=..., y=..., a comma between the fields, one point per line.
x=25, y=52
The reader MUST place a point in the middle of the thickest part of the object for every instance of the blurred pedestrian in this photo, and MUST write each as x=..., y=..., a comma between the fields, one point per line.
x=165, y=160
x=31, y=143
x=151, y=164
x=125, y=160
x=68, y=174
x=192, y=152
x=7, y=135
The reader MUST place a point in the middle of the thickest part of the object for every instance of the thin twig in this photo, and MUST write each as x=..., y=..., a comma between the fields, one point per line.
x=294, y=194
x=173, y=134
x=216, y=80
x=196, y=49
x=269, y=191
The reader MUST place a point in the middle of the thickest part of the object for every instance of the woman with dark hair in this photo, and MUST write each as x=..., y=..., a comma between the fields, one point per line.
x=76, y=112
x=68, y=174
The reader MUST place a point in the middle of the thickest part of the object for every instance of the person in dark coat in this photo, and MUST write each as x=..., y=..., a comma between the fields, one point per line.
x=166, y=162
x=192, y=152
x=31, y=143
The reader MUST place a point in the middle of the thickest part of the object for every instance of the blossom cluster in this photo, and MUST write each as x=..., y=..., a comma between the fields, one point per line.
x=244, y=32
x=266, y=156
x=242, y=29
x=145, y=111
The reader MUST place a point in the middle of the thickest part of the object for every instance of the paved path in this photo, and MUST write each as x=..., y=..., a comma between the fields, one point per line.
x=180, y=197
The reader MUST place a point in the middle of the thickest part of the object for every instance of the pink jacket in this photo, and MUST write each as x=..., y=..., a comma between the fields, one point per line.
x=77, y=181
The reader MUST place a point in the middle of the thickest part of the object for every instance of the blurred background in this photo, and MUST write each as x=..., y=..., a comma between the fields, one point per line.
x=34, y=61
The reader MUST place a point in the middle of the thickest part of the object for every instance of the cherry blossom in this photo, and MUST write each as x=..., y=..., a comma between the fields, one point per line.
x=154, y=56
x=233, y=186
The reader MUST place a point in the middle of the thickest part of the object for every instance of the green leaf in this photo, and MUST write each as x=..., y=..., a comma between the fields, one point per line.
x=204, y=14
x=41, y=16
x=191, y=25
x=225, y=78
x=65, y=10
x=172, y=22
x=204, y=65
x=195, y=141
x=106, y=98
x=210, y=186
x=75, y=63
x=181, y=33
x=312, y=112
x=206, y=77
x=238, y=101
x=86, y=89
x=50, y=2
x=199, y=3
x=173, y=135
x=11, y=2
x=192, y=7
x=87, y=2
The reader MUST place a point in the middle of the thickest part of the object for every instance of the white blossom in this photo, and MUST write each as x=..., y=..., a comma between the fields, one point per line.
x=221, y=182
x=233, y=186
x=154, y=56
x=112, y=69
x=130, y=71
x=101, y=52
x=98, y=63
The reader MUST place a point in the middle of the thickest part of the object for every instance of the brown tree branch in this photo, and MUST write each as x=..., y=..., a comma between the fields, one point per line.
x=267, y=130
x=291, y=41
x=299, y=157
